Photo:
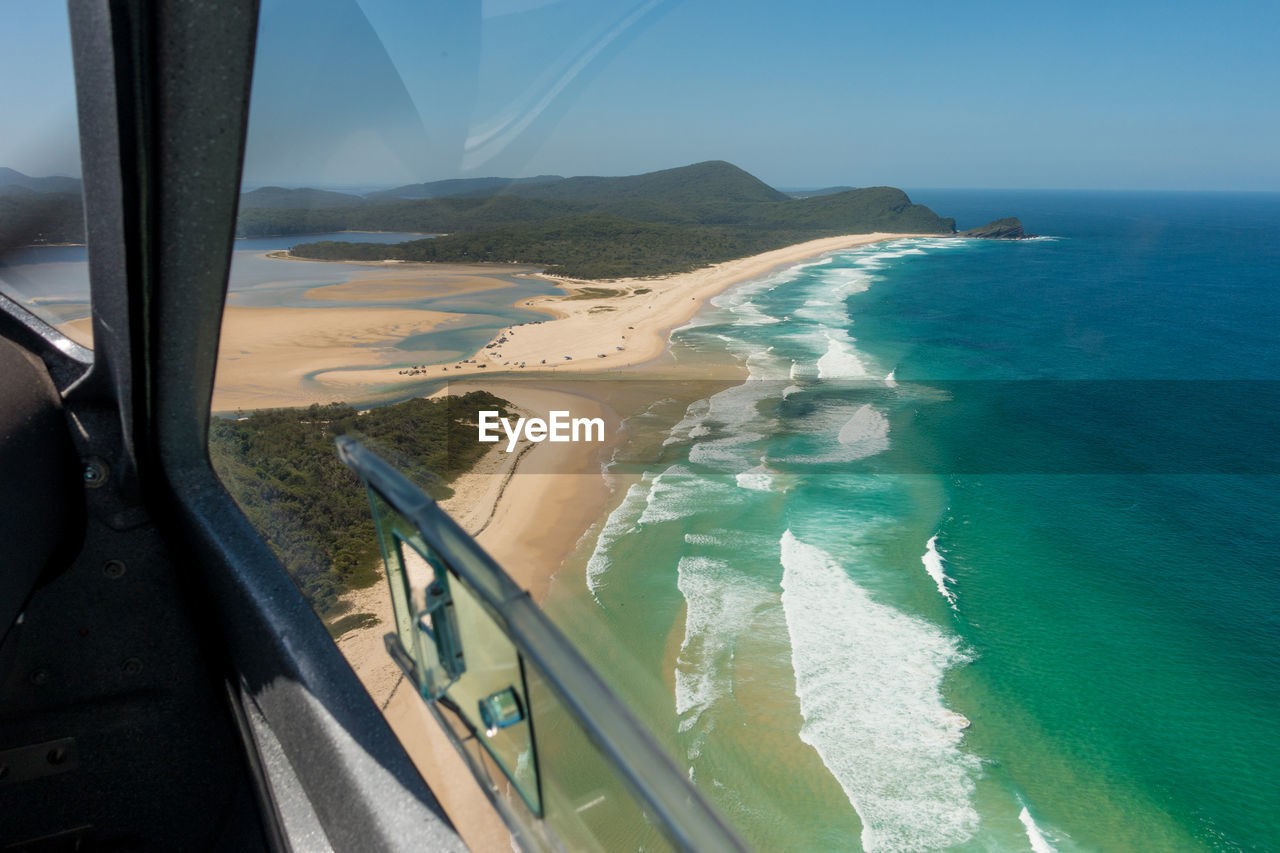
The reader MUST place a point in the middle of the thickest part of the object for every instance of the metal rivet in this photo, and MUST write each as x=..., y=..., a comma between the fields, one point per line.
x=132, y=666
x=56, y=756
x=113, y=569
x=40, y=677
x=95, y=473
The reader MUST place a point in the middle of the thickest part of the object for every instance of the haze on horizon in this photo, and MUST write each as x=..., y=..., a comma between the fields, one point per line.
x=368, y=93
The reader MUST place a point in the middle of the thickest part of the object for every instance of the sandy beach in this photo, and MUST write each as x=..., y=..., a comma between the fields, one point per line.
x=603, y=325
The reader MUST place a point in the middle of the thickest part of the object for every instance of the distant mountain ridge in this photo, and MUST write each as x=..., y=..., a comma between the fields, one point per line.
x=39, y=211
x=52, y=184
x=459, y=187
x=279, y=197
x=714, y=180
x=587, y=226
x=598, y=227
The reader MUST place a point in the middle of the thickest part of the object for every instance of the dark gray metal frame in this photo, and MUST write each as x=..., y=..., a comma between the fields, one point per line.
x=162, y=90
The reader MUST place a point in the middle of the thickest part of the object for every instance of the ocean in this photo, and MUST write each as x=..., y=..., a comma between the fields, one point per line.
x=981, y=556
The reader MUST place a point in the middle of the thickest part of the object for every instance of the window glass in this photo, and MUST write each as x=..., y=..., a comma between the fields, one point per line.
x=932, y=350
x=42, y=254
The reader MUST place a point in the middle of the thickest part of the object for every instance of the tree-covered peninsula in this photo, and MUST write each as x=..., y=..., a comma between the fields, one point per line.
x=587, y=227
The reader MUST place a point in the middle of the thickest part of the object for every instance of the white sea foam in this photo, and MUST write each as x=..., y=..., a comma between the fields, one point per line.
x=841, y=359
x=749, y=314
x=889, y=380
x=869, y=682
x=822, y=312
x=810, y=264
x=1039, y=844
x=731, y=411
x=859, y=432
x=619, y=523
x=801, y=370
x=702, y=539
x=720, y=605
x=675, y=493
x=764, y=364
x=846, y=280
x=867, y=431
x=738, y=424
x=726, y=454
x=694, y=418
x=933, y=565
x=756, y=479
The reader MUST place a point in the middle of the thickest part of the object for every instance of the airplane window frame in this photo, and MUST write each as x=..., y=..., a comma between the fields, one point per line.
x=162, y=100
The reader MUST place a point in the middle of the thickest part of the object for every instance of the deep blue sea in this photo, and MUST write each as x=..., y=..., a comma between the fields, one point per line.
x=983, y=554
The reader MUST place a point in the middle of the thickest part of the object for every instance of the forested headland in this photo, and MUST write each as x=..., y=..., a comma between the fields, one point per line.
x=586, y=227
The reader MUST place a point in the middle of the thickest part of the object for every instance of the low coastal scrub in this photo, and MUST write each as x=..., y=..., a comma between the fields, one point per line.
x=281, y=467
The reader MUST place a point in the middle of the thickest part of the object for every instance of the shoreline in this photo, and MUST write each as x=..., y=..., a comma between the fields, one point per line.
x=579, y=338
x=505, y=501
x=538, y=478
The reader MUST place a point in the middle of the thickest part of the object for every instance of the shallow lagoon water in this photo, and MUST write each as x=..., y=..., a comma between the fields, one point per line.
x=54, y=280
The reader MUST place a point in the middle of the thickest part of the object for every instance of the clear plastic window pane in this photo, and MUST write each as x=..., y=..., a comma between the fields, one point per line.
x=43, y=261
x=524, y=746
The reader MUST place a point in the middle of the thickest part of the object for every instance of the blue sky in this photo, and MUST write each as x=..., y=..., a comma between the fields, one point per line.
x=1178, y=95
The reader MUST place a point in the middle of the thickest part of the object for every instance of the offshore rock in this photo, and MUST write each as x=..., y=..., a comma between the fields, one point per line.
x=1009, y=228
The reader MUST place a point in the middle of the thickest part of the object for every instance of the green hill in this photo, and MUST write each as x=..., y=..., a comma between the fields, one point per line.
x=460, y=186
x=591, y=227
x=55, y=184
x=853, y=212
x=279, y=197
x=714, y=180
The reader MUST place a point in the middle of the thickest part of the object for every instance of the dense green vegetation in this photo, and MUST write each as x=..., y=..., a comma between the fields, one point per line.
x=279, y=197
x=282, y=469
x=662, y=222
x=579, y=247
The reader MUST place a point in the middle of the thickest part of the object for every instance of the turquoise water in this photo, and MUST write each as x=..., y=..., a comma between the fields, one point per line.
x=981, y=556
